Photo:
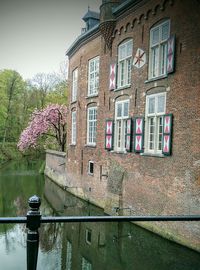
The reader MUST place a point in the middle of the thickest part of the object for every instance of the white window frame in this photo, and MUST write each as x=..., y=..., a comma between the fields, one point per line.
x=91, y=125
x=154, y=125
x=158, y=51
x=89, y=167
x=93, y=76
x=124, y=63
x=85, y=264
x=88, y=236
x=69, y=256
x=120, y=126
x=74, y=85
x=73, y=138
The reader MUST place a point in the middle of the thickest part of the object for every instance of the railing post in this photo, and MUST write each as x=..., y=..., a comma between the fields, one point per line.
x=33, y=223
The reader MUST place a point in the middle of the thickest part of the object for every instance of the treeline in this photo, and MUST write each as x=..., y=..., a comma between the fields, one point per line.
x=19, y=98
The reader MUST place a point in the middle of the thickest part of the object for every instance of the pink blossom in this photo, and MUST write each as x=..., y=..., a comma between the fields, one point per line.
x=52, y=118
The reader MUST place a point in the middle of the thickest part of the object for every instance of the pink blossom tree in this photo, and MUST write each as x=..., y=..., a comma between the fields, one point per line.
x=50, y=121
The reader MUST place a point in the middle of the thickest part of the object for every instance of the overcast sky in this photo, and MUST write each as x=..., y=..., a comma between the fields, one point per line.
x=35, y=34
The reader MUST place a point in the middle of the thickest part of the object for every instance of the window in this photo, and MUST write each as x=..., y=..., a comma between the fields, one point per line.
x=155, y=109
x=91, y=167
x=91, y=125
x=124, y=63
x=93, y=76
x=121, y=116
x=73, y=127
x=69, y=256
x=158, y=49
x=74, y=84
x=86, y=265
x=88, y=236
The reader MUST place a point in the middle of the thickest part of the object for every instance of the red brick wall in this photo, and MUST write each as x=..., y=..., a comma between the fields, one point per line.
x=150, y=185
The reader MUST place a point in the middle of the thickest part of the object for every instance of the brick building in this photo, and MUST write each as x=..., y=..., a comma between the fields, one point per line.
x=134, y=122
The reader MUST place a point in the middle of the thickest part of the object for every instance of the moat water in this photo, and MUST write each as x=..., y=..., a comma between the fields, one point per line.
x=77, y=246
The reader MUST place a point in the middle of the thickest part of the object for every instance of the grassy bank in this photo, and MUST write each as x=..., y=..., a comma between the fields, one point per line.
x=9, y=151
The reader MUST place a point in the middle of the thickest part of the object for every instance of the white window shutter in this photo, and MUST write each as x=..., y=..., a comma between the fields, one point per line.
x=129, y=135
x=171, y=54
x=112, y=77
x=138, y=134
x=109, y=132
x=167, y=134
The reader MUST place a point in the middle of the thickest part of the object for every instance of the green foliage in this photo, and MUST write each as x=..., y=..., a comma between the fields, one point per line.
x=47, y=89
x=12, y=88
x=19, y=99
x=42, y=168
x=9, y=151
x=58, y=95
x=41, y=93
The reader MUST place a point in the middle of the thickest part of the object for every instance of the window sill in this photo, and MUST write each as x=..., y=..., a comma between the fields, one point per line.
x=90, y=145
x=92, y=96
x=153, y=155
x=156, y=79
x=122, y=87
x=119, y=152
x=72, y=144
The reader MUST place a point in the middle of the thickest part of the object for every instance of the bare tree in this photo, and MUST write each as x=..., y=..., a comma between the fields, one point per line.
x=63, y=70
x=44, y=83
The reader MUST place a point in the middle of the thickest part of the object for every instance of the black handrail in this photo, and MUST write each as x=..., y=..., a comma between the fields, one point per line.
x=8, y=220
x=118, y=218
x=75, y=219
x=34, y=219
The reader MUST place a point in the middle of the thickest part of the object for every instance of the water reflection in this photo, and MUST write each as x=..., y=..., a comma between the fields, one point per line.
x=78, y=246
x=114, y=246
x=18, y=182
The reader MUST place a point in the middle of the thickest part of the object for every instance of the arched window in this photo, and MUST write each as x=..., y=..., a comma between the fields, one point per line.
x=93, y=76
x=91, y=125
x=155, y=111
x=73, y=128
x=124, y=63
x=159, y=35
x=121, y=118
x=74, y=85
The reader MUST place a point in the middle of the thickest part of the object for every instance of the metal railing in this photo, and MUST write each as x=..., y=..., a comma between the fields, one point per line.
x=34, y=219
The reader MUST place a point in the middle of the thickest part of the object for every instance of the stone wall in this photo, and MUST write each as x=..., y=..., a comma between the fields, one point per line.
x=55, y=166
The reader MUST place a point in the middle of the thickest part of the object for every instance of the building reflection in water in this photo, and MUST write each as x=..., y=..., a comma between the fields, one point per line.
x=110, y=246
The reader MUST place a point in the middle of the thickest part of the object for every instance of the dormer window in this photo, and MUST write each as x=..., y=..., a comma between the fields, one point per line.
x=91, y=19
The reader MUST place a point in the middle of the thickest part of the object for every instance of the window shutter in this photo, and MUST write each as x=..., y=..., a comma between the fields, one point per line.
x=138, y=134
x=167, y=134
x=171, y=54
x=128, y=134
x=109, y=132
x=112, y=77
